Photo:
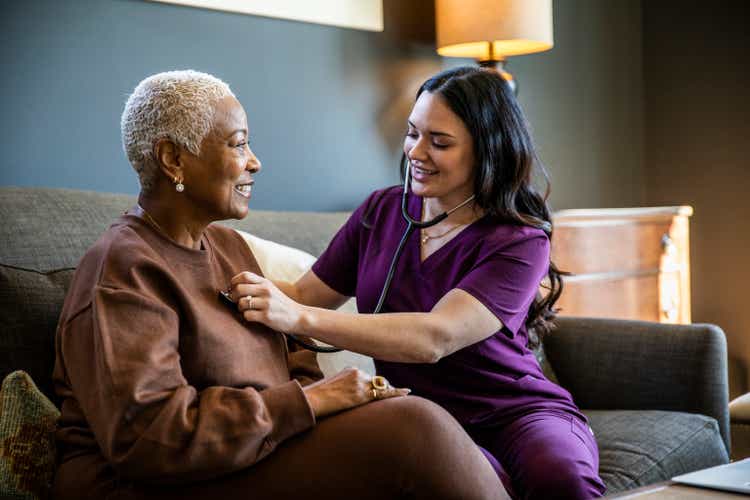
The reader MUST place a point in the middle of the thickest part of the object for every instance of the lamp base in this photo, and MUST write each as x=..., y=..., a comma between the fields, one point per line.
x=499, y=66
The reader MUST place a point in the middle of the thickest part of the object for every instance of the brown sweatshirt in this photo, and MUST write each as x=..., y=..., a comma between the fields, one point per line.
x=160, y=377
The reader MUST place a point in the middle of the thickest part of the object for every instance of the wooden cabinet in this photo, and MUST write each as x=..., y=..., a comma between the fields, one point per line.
x=631, y=263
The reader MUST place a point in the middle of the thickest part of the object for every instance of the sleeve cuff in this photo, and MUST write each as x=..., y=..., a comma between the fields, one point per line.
x=511, y=322
x=289, y=411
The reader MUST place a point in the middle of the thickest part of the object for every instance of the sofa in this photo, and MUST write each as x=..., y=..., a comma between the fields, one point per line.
x=656, y=395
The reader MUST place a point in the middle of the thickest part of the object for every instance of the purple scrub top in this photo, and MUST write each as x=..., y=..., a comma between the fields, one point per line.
x=501, y=265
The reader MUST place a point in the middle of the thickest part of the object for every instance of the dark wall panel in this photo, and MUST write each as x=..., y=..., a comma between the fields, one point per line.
x=697, y=149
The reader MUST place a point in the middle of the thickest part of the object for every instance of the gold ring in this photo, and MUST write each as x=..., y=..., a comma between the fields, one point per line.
x=379, y=382
x=249, y=301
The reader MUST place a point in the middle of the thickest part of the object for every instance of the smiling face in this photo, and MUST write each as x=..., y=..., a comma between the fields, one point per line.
x=218, y=181
x=440, y=151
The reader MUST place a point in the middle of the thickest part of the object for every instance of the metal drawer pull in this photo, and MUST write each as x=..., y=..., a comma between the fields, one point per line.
x=668, y=245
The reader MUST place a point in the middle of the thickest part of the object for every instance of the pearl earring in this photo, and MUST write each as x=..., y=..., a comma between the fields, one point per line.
x=179, y=186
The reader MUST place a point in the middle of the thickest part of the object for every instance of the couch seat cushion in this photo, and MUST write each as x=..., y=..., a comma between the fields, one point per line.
x=637, y=448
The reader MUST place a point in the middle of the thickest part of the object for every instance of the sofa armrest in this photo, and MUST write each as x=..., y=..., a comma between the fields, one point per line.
x=639, y=365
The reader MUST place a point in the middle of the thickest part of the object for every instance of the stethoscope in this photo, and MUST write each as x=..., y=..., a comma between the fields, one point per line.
x=411, y=225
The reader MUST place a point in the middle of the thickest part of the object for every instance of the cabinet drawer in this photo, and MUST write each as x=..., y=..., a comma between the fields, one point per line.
x=619, y=247
x=634, y=297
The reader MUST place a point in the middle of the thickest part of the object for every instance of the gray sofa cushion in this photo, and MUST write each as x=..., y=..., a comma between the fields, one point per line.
x=637, y=448
x=49, y=229
x=30, y=304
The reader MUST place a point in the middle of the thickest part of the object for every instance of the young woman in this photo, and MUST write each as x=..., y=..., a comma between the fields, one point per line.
x=458, y=317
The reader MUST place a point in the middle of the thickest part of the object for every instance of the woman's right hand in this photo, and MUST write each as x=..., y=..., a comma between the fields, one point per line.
x=349, y=388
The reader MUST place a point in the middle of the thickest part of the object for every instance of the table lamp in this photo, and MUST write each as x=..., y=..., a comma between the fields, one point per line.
x=492, y=30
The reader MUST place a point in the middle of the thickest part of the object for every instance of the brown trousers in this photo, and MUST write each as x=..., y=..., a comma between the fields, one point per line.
x=396, y=448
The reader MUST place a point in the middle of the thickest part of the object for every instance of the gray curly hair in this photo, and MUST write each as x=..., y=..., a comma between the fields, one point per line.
x=176, y=105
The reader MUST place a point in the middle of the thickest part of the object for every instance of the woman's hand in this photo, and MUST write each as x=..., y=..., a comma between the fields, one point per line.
x=258, y=299
x=348, y=388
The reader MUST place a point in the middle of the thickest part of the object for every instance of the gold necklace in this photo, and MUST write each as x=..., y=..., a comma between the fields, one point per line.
x=151, y=219
x=426, y=237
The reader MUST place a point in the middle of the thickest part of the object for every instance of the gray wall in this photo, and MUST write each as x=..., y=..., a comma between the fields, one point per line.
x=584, y=101
x=697, y=150
x=326, y=105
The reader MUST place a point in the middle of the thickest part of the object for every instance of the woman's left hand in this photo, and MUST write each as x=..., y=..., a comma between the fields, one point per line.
x=258, y=299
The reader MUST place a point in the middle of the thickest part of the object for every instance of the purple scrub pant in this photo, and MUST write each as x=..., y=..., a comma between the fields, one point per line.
x=544, y=454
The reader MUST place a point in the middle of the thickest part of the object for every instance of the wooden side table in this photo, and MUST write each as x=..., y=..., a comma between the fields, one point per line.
x=629, y=263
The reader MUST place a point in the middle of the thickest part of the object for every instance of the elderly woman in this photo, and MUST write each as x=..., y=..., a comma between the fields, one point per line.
x=169, y=393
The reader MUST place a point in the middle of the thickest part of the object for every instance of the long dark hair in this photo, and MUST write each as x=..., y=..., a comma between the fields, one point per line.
x=505, y=162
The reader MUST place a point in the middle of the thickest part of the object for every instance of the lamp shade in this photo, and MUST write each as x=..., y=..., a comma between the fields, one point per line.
x=493, y=29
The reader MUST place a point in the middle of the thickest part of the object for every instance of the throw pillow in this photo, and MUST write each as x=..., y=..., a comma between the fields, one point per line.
x=283, y=263
x=278, y=262
x=27, y=441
